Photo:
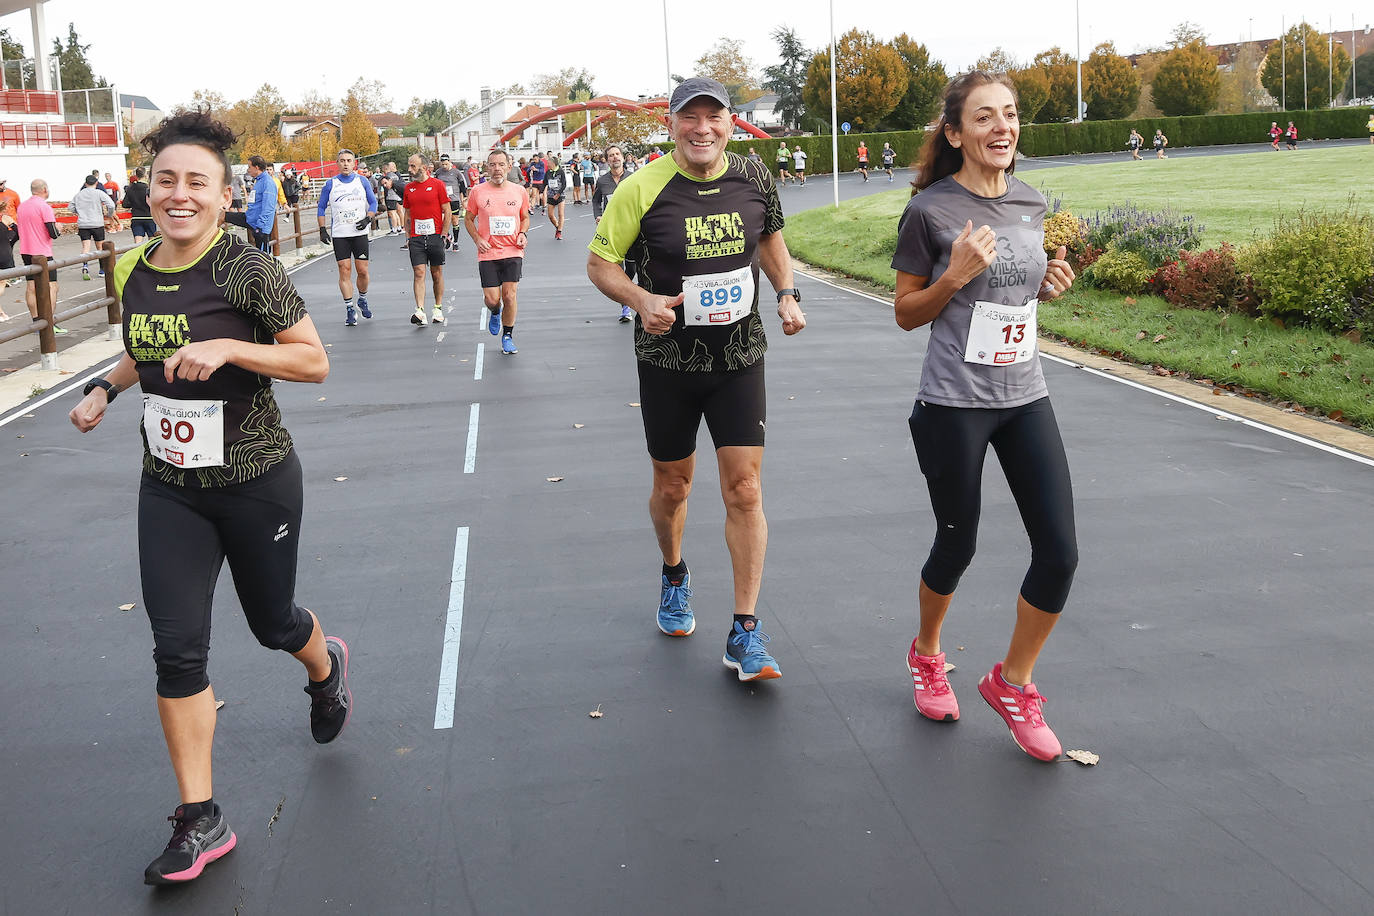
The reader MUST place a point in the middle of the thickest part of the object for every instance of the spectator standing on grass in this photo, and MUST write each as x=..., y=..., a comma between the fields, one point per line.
x=37, y=229
x=93, y=207
x=1292, y=134
x=262, y=212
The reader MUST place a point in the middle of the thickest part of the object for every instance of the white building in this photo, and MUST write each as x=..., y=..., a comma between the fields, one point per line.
x=140, y=114
x=477, y=132
x=51, y=134
x=761, y=112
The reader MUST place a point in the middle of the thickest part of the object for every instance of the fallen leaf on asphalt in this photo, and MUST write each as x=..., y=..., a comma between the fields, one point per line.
x=949, y=666
x=553, y=479
x=403, y=750
x=1087, y=758
x=219, y=704
x=319, y=399
x=340, y=479
x=596, y=713
x=578, y=425
x=633, y=404
x=791, y=397
x=961, y=648
x=1216, y=391
x=126, y=607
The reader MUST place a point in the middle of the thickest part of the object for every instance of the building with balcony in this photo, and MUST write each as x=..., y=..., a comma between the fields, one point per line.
x=50, y=133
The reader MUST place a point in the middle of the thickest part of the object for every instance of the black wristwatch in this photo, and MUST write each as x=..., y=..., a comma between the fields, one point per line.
x=794, y=293
x=111, y=392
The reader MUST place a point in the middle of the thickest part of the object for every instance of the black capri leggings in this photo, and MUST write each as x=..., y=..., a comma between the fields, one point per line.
x=951, y=443
x=184, y=536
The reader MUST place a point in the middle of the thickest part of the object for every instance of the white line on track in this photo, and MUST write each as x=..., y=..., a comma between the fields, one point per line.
x=470, y=458
x=485, y=317
x=80, y=382
x=1254, y=424
x=477, y=370
x=453, y=633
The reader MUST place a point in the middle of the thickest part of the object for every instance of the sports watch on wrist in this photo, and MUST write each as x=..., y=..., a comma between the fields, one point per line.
x=111, y=392
x=794, y=293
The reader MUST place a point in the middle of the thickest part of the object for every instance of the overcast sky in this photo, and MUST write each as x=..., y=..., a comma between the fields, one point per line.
x=172, y=49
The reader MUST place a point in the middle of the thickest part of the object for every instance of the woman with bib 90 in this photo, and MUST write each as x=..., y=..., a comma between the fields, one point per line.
x=981, y=385
x=208, y=323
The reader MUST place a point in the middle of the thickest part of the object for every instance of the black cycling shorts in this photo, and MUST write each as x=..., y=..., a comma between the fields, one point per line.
x=673, y=402
x=28, y=262
x=393, y=204
x=426, y=249
x=353, y=246
x=184, y=536
x=951, y=443
x=501, y=270
x=95, y=233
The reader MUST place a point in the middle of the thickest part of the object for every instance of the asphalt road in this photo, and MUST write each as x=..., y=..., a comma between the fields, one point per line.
x=1212, y=651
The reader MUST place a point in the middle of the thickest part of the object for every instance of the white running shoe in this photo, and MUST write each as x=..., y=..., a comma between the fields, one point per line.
x=438, y=315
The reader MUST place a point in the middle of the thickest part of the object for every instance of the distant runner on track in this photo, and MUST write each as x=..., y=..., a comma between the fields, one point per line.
x=350, y=205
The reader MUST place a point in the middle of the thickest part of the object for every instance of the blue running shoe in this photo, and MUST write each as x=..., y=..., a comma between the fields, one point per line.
x=494, y=323
x=362, y=306
x=508, y=345
x=746, y=655
x=351, y=318
x=674, y=613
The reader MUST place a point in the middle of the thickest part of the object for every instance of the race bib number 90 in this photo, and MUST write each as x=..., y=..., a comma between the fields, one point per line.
x=186, y=434
x=717, y=298
x=1001, y=335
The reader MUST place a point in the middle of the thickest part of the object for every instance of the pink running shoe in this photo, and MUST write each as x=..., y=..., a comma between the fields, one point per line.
x=1019, y=707
x=930, y=688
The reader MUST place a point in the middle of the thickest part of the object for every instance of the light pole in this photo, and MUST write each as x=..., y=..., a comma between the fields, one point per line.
x=666, y=64
x=1078, y=59
x=1283, y=64
x=1304, y=63
x=834, y=112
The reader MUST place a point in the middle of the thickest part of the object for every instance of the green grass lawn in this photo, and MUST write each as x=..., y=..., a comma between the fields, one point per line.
x=1234, y=196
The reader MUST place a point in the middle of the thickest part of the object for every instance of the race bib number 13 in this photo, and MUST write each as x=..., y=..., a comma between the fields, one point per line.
x=1001, y=335
x=186, y=434
x=717, y=298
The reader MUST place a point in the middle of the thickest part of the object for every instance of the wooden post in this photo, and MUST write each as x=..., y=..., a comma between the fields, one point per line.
x=112, y=311
x=276, y=233
x=47, y=338
x=296, y=220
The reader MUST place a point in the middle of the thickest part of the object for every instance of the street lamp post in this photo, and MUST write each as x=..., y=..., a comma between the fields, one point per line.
x=1078, y=59
x=1304, y=63
x=666, y=64
x=834, y=111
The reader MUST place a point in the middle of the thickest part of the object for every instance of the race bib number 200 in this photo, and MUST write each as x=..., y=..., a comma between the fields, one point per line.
x=186, y=434
x=1001, y=335
x=722, y=298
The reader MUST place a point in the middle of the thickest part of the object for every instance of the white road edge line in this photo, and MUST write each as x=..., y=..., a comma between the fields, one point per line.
x=483, y=318
x=477, y=371
x=1254, y=424
x=453, y=633
x=81, y=381
x=470, y=458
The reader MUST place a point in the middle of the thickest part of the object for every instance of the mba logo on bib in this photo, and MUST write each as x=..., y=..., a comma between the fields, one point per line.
x=715, y=236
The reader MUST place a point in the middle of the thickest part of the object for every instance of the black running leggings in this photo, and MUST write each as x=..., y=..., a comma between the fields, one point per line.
x=184, y=536
x=951, y=443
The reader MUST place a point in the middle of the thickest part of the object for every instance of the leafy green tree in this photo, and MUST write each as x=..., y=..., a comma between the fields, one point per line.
x=926, y=79
x=1318, y=68
x=1032, y=92
x=72, y=63
x=786, y=78
x=997, y=61
x=1187, y=82
x=1361, y=77
x=870, y=79
x=1240, y=86
x=1061, y=73
x=427, y=117
x=1110, y=86
x=13, y=49
x=563, y=84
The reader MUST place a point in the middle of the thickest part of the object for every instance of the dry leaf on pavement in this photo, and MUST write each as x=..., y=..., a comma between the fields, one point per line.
x=340, y=479
x=596, y=713
x=578, y=425
x=1087, y=758
x=553, y=479
x=126, y=607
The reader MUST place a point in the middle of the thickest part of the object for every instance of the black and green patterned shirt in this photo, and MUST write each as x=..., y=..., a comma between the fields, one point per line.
x=233, y=291
x=674, y=227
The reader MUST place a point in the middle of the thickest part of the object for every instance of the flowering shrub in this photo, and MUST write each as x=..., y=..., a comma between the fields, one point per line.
x=1124, y=271
x=1063, y=228
x=1317, y=266
x=1206, y=280
x=1156, y=236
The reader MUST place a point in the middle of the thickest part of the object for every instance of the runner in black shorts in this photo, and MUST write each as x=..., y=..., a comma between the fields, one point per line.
x=427, y=214
x=498, y=219
x=981, y=386
x=136, y=199
x=220, y=478
x=350, y=205
x=700, y=223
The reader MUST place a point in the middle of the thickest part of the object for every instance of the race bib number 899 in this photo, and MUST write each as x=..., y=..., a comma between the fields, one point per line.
x=722, y=298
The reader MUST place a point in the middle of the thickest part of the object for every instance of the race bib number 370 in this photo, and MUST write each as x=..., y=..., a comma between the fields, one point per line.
x=185, y=434
x=717, y=298
x=1001, y=335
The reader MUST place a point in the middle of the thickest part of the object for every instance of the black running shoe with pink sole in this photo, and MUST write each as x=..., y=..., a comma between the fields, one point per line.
x=195, y=844
x=332, y=704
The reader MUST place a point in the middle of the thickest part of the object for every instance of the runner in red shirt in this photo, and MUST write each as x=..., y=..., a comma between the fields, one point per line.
x=497, y=219
x=427, y=218
x=1274, y=133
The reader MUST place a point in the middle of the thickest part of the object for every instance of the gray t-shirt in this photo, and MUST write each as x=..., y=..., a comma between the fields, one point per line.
x=92, y=205
x=397, y=186
x=454, y=183
x=925, y=235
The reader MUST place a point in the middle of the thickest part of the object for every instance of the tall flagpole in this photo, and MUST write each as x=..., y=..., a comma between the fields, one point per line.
x=834, y=112
x=666, y=64
x=1283, y=64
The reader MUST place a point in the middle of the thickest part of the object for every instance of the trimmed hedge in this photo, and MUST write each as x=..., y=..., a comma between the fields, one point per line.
x=1199, y=130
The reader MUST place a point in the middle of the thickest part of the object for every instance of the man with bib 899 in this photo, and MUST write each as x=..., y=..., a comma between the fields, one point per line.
x=699, y=224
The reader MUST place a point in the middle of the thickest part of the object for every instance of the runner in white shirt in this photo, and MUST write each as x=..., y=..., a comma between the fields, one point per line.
x=351, y=205
x=799, y=163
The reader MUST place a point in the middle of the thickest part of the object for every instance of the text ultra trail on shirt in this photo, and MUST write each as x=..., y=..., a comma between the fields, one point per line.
x=698, y=237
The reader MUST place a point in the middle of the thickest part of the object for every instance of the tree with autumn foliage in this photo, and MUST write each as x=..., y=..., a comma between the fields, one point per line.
x=1061, y=77
x=1110, y=86
x=725, y=63
x=358, y=133
x=1032, y=86
x=870, y=79
x=1319, y=75
x=926, y=79
x=1187, y=82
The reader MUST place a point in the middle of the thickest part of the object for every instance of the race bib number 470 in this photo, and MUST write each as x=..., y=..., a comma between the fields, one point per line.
x=722, y=298
x=1001, y=335
x=186, y=434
